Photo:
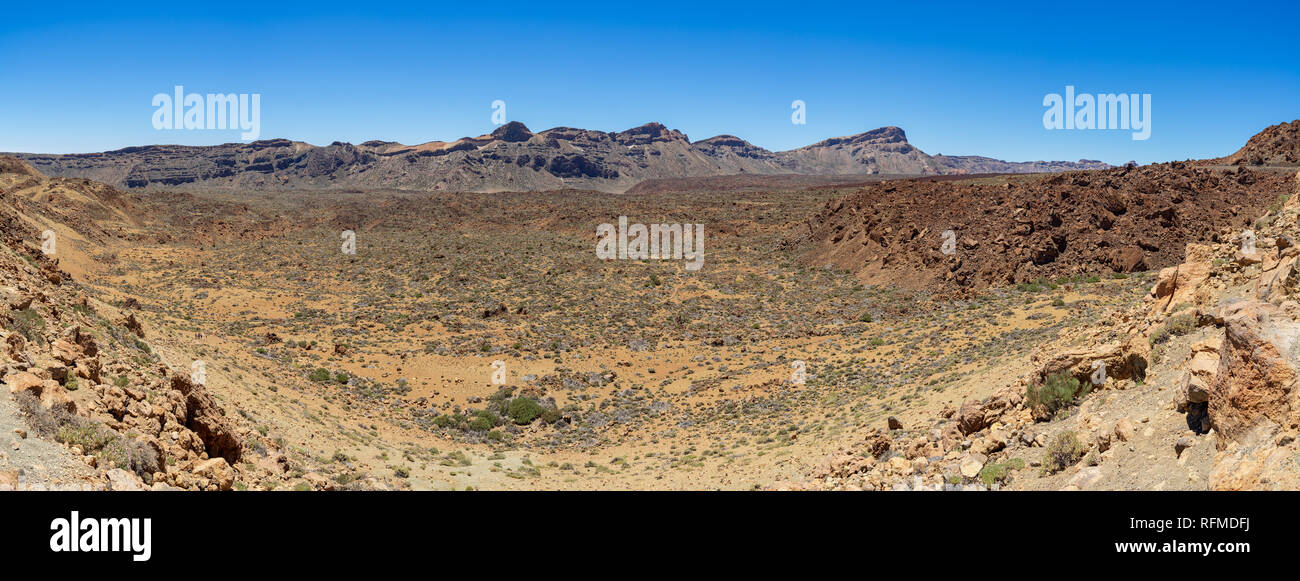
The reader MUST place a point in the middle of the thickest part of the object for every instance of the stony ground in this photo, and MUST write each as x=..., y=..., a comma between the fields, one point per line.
x=29, y=462
x=657, y=377
x=1200, y=390
x=379, y=369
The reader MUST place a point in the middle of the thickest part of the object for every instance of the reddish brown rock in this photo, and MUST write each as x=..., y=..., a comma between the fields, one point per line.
x=1128, y=259
x=66, y=351
x=1184, y=283
x=208, y=420
x=1256, y=379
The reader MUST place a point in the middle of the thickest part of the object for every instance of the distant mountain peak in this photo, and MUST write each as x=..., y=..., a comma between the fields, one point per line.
x=513, y=132
x=882, y=135
x=514, y=158
x=649, y=133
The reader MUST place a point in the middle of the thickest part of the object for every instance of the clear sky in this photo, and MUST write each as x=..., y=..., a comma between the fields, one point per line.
x=962, y=78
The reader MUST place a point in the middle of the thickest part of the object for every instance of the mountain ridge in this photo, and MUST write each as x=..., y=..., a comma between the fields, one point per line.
x=513, y=157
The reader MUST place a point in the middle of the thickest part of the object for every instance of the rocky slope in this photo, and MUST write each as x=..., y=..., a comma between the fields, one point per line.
x=1016, y=230
x=513, y=158
x=85, y=393
x=1276, y=145
x=1200, y=389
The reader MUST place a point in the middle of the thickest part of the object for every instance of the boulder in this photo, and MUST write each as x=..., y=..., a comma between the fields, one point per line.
x=900, y=465
x=1254, y=406
x=1279, y=279
x=207, y=420
x=1255, y=381
x=1198, y=371
x=877, y=443
x=23, y=381
x=971, y=464
x=16, y=346
x=1124, y=430
x=51, y=394
x=1127, y=259
x=1124, y=360
x=217, y=471
x=1085, y=478
x=66, y=351
x=121, y=480
x=975, y=415
x=970, y=417
x=1184, y=283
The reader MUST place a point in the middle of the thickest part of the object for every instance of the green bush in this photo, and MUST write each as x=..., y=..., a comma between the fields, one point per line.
x=1176, y=326
x=482, y=421
x=30, y=324
x=321, y=375
x=524, y=410
x=498, y=400
x=95, y=438
x=995, y=472
x=1179, y=325
x=1059, y=391
x=1063, y=451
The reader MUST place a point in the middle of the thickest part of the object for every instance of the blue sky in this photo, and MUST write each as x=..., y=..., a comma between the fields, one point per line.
x=960, y=78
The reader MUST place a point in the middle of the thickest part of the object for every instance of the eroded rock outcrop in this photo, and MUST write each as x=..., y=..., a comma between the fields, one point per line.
x=208, y=420
x=1254, y=404
x=1184, y=283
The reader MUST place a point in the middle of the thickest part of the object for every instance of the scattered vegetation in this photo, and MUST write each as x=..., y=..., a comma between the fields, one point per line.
x=524, y=410
x=1058, y=392
x=997, y=472
x=94, y=438
x=1064, y=451
x=1176, y=326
